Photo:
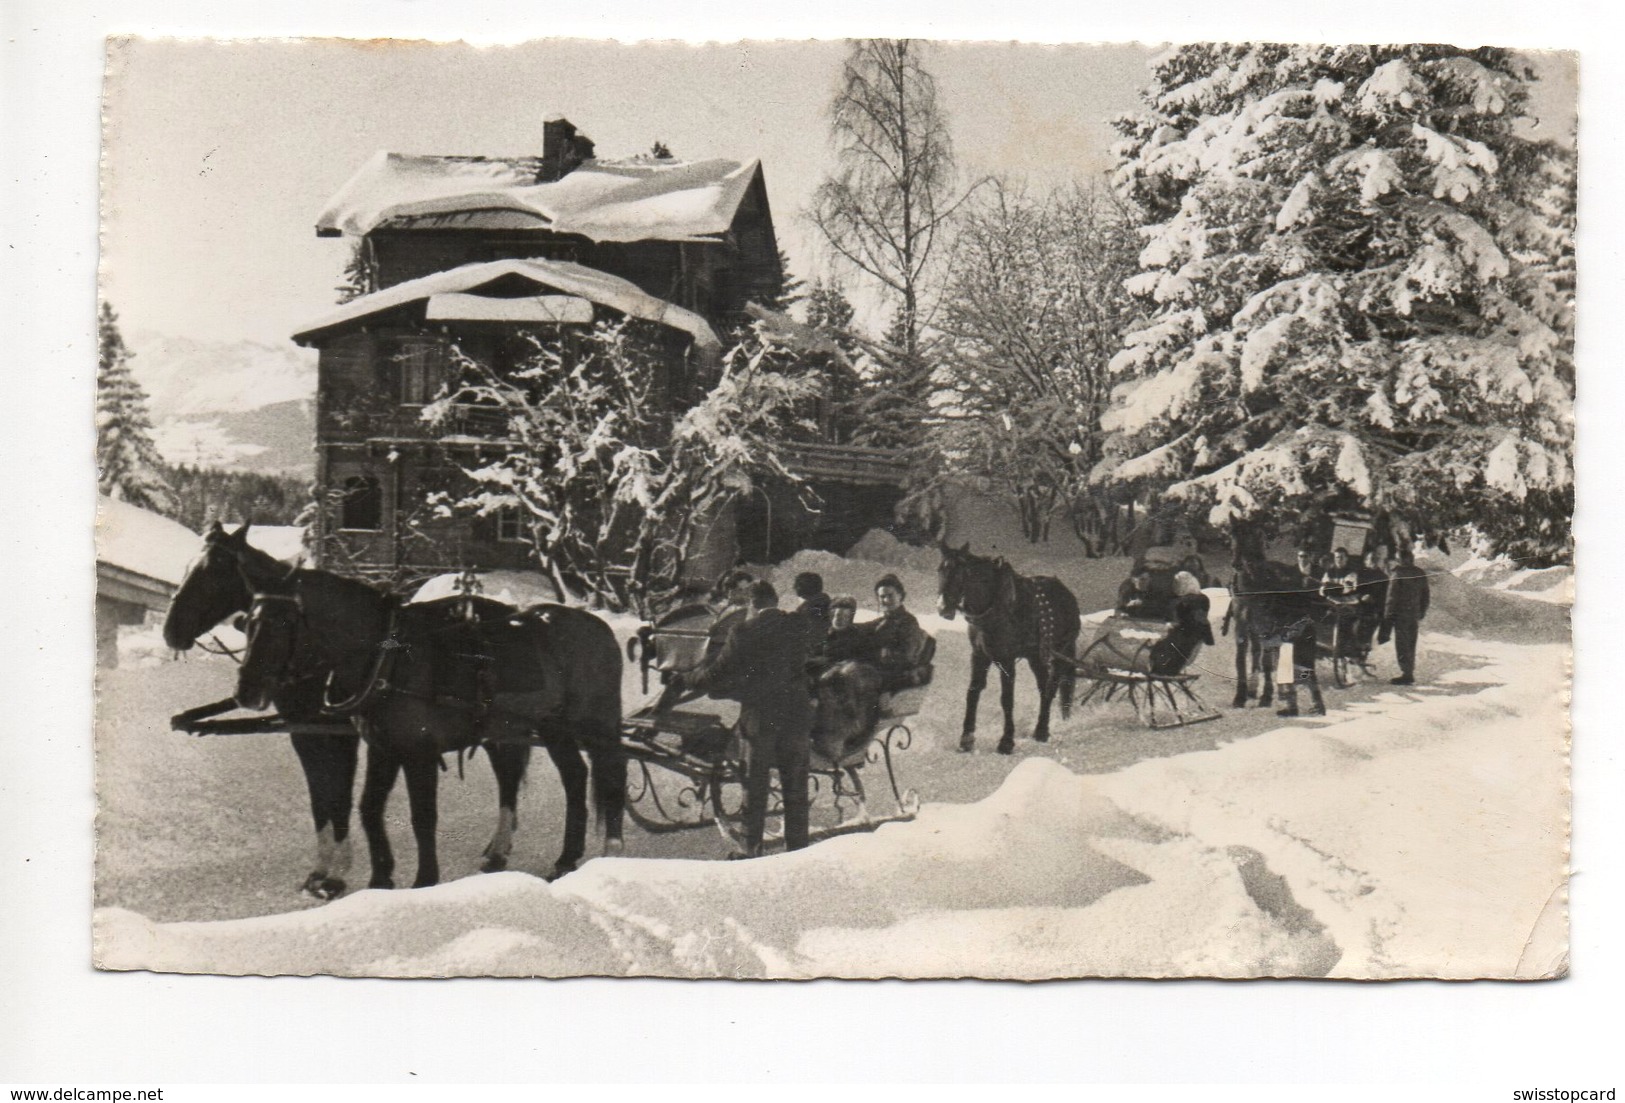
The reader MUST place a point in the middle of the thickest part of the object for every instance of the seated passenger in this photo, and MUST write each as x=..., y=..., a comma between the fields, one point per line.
x=1190, y=627
x=896, y=640
x=1134, y=595
x=845, y=641
x=864, y=661
x=1341, y=581
x=809, y=587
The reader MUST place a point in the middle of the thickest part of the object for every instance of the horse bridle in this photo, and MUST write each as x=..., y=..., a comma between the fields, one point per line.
x=993, y=602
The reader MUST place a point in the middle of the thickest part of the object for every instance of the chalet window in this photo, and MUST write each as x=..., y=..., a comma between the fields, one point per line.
x=511, y=527
x=361, y=509
x=418, y=365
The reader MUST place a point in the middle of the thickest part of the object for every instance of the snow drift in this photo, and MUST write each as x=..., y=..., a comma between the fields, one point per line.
x=1046, y=878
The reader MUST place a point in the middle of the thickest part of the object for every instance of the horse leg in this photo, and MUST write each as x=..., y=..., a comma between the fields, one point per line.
x=1245, y=645
x=566, y=758
x=508, y=762
x=609, y=794
x=329, y=763
x=1046, y=694
x=978, y=682
x=1007, y=701
x=382, y=769
x=423, y=790
x=1267, y=658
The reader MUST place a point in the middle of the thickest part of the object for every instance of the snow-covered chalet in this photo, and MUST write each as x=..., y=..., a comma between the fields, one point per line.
x=468, y=252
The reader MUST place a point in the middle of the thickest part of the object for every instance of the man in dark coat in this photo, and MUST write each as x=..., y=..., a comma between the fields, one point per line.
x=1406, y=606
x=763, y=666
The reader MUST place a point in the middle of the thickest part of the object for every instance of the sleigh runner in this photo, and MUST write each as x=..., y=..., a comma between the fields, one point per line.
x=688, y=763
x=1119, y=660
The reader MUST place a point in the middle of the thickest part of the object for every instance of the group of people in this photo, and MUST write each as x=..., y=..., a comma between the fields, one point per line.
x=1389, y=598
x=770, y=660
x=1184, y=607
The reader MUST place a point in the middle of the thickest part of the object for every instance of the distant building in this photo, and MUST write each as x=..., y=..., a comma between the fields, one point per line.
x=469, y=252
x=140, y=560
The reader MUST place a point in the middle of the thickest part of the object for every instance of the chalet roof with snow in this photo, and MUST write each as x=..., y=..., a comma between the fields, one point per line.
x=456, y=294
x=637, y=199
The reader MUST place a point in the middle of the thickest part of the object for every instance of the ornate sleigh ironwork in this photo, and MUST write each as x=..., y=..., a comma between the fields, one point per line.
x=687, y=766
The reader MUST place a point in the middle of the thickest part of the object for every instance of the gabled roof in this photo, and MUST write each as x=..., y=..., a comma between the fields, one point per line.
x=565, y=276
x=637, y=199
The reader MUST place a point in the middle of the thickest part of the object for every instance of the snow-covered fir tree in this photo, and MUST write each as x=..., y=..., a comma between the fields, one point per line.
x=1359, y=267
x=128, y=466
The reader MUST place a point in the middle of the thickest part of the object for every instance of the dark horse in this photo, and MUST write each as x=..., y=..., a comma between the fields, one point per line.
x=1010, y=618
x=214, y=589
x=1270, y=607
x=422, y=680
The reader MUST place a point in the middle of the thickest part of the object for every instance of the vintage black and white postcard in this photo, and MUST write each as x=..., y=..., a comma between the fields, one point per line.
x=877, y=508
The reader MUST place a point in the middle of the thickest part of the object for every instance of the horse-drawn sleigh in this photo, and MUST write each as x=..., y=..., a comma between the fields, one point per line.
x=342, y=662
x=687, y=757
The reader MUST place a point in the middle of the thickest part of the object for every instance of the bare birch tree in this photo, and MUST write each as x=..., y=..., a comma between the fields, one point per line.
x=891, y=198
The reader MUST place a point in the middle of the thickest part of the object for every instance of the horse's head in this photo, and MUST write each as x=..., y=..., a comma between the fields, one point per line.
x=214, y=587
x=274, y=643
x=967, y=581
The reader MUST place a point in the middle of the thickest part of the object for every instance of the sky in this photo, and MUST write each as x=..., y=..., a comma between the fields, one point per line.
x=219, y=157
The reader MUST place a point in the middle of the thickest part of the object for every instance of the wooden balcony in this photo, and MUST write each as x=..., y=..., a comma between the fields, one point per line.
x=846, y=463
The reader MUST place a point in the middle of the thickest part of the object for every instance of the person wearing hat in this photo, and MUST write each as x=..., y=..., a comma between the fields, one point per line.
x=1406, y=605
x=896, y=639
x=809, y=587
x=763, y=666
x=845, y=640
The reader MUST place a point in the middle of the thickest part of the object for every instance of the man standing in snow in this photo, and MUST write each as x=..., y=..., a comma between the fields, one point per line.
x=763, y=666
x=1406, y=606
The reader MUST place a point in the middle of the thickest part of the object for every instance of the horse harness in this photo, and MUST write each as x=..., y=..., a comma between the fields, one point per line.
x=1029, y=589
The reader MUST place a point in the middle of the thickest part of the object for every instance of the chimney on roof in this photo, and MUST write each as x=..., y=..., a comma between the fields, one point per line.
x=563, y=149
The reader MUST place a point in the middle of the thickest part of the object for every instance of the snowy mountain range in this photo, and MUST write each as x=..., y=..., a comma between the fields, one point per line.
x=237, y=405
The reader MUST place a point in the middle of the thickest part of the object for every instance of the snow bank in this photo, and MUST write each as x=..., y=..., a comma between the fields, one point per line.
x=880, y=546
x=1043, y=879
x=1426, y=830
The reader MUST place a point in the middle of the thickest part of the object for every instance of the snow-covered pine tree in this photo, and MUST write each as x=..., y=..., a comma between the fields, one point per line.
x=128, y=466
x=1359, y=267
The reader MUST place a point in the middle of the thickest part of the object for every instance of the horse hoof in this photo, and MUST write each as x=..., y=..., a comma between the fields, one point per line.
x=967, y=744
x=425, y=882
x=494, y=863
x=1040, y=737
x=1006, y=748
x=614, y=848
x=381, y=883
x=323, y=887
x=560, y=870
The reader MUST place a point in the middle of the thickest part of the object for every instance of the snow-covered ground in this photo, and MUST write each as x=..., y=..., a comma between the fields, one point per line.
x=1411, y=832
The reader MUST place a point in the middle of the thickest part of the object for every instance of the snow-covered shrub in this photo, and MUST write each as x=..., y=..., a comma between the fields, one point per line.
x=612, y=472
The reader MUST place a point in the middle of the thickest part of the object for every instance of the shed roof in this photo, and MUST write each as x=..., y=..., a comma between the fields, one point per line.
x=565, y=276
x=142, y=542
x=636, y=199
